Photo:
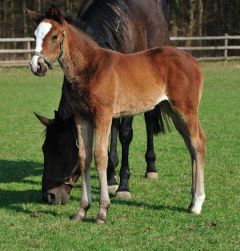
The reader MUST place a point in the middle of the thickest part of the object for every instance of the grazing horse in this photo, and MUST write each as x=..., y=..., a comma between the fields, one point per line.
x=126, y=26
x=104, y=84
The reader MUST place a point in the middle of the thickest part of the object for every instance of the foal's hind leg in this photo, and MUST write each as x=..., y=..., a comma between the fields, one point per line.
x=125, y=135
x=103, y=121
x=190, y=129
x=150, y=155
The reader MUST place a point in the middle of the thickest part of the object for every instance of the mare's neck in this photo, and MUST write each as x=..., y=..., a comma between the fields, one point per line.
x=78, y=53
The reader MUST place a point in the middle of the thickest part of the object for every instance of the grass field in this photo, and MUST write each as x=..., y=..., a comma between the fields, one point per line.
x=156, y=218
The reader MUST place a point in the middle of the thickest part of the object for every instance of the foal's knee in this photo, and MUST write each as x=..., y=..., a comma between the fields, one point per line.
x=101, y=158
x=85, y=160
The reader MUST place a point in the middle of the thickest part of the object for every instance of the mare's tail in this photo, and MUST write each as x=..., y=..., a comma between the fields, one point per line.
x=161, y=121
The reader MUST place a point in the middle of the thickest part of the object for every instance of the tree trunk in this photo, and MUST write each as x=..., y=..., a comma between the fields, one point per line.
x=200, y=18
x=173, y=18
x=191, y=25
x=24, y=18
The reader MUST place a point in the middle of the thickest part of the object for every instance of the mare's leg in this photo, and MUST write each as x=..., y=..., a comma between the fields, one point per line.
x=103, y=126
x=85, y=135
x=189, y=127
x=125, y=135
x=113, y=157
x=150, y=155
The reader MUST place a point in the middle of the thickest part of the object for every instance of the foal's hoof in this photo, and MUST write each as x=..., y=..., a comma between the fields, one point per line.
x=101, y=219
x=195, y=210
x=151, y=175
x=124, y=195
x=112, y=189
x=76, y=217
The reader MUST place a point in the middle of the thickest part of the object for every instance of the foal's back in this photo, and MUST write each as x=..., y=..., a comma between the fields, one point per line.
x=149, y=77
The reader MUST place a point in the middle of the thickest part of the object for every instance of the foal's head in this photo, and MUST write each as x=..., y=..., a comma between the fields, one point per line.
x=61, y=169
x=49, y=37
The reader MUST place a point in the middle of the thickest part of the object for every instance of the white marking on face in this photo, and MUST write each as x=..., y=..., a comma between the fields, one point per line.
x=40, y=33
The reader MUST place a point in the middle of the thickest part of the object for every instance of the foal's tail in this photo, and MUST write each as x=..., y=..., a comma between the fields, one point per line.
x=161, y=121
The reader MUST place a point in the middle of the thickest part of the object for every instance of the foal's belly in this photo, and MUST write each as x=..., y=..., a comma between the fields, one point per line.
x=132, y=105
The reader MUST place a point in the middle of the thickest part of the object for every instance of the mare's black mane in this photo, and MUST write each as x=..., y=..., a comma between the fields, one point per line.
x=106, y=22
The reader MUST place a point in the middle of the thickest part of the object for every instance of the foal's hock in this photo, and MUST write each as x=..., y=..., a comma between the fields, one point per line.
x=107, y=84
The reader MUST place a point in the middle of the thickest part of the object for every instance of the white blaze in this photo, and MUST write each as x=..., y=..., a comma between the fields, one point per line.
x=40, y=33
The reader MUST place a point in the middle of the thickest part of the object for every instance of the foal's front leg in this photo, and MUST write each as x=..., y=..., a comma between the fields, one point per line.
x=85, y=135
x=103, y=126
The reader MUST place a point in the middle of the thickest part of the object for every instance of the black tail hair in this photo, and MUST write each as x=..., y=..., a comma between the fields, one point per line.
x=161, y=120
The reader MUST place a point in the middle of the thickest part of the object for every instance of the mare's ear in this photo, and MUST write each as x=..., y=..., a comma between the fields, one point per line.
x=55, y=14
x=36, y=17
x=45, y=121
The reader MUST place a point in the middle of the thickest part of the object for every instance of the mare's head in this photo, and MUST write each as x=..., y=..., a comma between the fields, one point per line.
x=49, y=36
x=61, y=168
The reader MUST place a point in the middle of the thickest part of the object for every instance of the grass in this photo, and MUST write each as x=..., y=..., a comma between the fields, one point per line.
x=156, y=217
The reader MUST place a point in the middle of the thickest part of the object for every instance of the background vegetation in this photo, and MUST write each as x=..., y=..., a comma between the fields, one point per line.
x=156, y=217
x=186, y=17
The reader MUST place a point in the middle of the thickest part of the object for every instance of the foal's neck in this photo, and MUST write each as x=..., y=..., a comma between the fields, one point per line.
x=78, y=53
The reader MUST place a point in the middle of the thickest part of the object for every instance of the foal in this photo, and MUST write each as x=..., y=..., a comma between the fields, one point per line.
x=107, y=84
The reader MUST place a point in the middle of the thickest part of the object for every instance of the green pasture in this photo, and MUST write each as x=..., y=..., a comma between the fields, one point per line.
x=156, y=218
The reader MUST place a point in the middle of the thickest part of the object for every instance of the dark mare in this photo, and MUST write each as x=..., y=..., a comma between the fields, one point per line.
x=122, y=25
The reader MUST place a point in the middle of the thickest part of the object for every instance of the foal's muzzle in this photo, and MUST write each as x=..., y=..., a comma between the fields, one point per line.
x=41, y=69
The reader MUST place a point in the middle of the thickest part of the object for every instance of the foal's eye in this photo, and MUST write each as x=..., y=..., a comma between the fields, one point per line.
x=54, y=37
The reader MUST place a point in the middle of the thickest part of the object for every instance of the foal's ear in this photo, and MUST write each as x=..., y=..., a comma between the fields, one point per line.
x=55, y=14
x=36, y=17
x=45, y=121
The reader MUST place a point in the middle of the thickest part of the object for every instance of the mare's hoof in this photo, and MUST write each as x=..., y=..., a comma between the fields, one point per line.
x=112, y=189
x=124, y=195
x=152, y=175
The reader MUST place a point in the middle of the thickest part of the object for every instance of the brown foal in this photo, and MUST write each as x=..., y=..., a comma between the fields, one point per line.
x=107, y=84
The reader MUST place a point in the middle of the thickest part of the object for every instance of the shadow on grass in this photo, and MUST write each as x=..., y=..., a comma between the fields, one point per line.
x=148, y=205
x=19, y=171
